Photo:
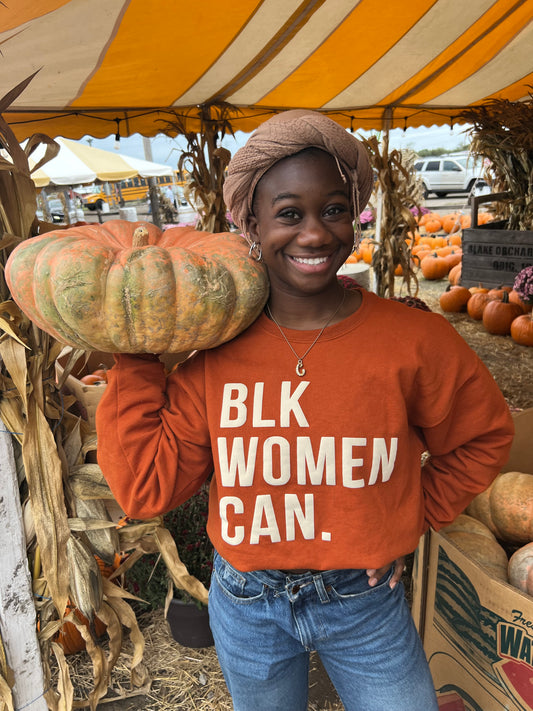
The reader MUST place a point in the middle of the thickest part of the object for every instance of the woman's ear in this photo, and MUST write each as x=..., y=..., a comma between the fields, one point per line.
x=251, y=227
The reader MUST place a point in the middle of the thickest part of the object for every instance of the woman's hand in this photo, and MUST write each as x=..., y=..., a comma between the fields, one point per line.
x=375, y=575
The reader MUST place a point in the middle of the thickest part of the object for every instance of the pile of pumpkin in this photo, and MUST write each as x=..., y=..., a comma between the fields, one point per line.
x=436, y=247
x=496, y=530
x=501, y=310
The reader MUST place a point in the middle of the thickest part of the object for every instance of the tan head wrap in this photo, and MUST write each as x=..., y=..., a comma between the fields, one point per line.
x=284, y=135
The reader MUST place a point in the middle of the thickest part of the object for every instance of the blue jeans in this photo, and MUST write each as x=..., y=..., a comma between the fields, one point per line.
x=266, y=622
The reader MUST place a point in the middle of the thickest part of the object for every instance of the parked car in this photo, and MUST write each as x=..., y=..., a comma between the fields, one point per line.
x=57, y=212
x=449, y=174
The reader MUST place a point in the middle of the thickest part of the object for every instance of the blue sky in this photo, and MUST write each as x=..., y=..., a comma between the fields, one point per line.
x=167, y=150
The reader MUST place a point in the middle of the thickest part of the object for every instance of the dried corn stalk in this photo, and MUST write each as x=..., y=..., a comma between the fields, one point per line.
x=206, y=161
x=502, y=132
x=51, y=441
x=63, y=496
x=400, y=191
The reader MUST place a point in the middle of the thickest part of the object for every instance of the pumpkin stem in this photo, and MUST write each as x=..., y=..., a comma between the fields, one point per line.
x=140, y=237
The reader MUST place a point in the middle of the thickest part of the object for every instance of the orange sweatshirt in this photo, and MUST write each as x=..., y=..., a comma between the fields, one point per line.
x=321, y=471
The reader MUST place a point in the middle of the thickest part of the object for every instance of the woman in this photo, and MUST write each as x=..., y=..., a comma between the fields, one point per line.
x=314, y=420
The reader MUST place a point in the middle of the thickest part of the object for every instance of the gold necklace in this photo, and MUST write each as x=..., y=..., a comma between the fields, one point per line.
x=300, y=370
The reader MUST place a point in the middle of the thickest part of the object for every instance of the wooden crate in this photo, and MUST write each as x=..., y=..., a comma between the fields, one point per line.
x=494, y=257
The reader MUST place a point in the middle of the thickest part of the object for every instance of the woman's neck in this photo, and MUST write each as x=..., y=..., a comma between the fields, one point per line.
x=309, y=312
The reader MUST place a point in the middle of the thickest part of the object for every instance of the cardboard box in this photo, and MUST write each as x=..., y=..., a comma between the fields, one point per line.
x=477, y=631
x=88, y=396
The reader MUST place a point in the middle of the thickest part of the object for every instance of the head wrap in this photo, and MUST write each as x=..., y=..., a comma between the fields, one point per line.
x=284, y=135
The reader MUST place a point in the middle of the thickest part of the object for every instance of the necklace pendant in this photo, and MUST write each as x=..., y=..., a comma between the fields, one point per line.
x=300, y=370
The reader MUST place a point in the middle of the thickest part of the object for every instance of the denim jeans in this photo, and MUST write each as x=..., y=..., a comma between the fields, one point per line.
x=265, y=624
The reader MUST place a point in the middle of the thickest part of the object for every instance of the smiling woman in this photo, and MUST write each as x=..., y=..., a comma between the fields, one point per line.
x=317, y=493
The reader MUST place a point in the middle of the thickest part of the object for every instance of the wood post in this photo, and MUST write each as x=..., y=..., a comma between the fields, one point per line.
x=17, y=609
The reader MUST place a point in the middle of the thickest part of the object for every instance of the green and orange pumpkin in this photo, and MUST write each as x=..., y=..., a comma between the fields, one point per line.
x=130, y=287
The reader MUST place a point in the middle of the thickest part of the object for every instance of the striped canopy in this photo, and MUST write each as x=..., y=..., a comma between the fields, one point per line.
x=131, y=66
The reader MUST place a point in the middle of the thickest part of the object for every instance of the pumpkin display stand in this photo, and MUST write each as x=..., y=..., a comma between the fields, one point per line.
x=189, y=624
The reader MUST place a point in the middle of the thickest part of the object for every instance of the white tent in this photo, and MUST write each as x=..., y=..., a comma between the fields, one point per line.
x=77, y=164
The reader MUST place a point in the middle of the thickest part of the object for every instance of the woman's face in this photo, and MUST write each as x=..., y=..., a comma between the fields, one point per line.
x=302, y=218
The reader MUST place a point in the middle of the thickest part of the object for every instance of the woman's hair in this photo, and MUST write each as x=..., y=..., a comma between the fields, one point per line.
x=285, y=135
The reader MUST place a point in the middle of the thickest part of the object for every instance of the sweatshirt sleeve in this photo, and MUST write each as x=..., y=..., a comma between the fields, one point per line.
x=154, y=451
x=467, y=447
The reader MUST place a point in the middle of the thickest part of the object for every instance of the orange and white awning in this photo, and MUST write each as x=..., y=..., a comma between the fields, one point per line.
x=130, y=65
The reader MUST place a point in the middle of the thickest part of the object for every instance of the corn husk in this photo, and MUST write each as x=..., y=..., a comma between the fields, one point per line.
x=502, y=134
x=65, y=498
x=400, y=191
x=51, y=445
x=100, y=531
x=205, y=163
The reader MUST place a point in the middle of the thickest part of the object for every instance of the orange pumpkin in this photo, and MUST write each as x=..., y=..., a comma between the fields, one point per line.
x=522, y=330
x=497, y=292
x=499, y=314
x=484, y=217
x=476, y=305
x=454, y=257
x=515, y=298
x=434, y=267
x=130, y=287
x=444, y=251
x=480, y=289
x=454, y=275
x=455, y=239
x=70, y=638
x=433, y=225
x=428, y=241
x=455, y=299
x=450, y=223
x=366, y=253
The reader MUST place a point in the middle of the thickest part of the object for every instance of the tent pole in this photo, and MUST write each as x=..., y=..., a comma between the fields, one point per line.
x=386, y=123
x=152, y=185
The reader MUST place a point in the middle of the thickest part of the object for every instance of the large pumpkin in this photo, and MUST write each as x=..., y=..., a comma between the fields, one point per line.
x=132, y=288
x=506, y=507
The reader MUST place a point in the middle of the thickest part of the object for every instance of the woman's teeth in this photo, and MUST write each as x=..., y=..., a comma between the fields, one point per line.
x=313, y=260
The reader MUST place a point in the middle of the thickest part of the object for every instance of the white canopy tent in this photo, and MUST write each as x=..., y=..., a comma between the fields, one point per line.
x=78, y=164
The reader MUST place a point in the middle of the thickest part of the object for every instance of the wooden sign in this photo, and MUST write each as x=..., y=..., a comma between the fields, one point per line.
x=494, y=257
